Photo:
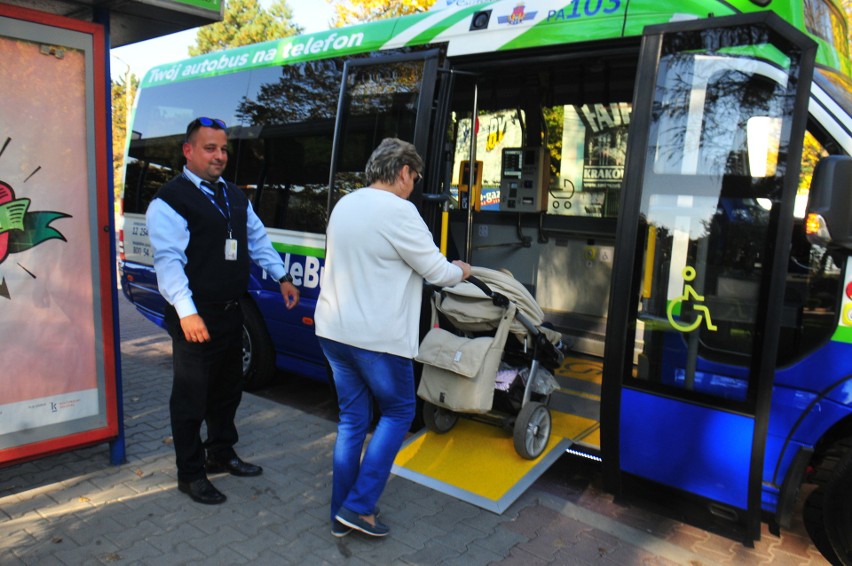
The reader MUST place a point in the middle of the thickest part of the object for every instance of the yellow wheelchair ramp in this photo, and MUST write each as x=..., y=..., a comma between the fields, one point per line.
x=477, y=462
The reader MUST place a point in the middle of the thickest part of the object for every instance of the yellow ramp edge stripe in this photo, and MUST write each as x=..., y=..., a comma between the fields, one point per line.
x=477, y=462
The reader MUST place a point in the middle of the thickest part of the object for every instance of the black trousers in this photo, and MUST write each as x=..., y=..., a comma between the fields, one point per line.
x=207, y=387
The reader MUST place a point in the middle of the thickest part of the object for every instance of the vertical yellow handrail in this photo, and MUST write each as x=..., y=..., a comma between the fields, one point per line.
x=445, y=224
x=650, y=253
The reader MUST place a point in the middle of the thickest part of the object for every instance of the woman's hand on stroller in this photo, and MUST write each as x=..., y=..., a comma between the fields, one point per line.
x=465, y=267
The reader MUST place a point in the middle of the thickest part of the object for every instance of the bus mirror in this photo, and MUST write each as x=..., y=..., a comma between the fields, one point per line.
x=829, y=213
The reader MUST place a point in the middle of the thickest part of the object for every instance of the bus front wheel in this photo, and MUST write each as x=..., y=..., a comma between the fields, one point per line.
x=828, y=509
x=258, y=351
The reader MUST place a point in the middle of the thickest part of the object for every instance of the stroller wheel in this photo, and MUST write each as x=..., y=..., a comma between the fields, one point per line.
x=438, y=419
x=532, y=430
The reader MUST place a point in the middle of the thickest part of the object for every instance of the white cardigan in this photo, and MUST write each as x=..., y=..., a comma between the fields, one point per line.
x=378, y=253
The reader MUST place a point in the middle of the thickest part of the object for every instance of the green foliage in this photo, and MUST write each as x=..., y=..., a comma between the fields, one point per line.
x=123, y=93
x=245, y=22
x=348, y=12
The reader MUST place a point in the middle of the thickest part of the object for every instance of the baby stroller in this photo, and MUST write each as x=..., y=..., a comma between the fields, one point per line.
x=488, y=357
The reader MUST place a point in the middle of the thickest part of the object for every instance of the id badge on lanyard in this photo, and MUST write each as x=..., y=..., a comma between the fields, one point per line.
x=230, y=249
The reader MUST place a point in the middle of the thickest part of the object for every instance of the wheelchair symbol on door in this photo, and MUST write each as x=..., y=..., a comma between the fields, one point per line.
x=689, y=293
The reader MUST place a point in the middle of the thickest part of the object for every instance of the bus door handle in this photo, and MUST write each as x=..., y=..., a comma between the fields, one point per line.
x=436, y=197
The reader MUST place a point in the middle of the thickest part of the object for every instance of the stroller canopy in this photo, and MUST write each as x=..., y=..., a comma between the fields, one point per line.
x=470, y=310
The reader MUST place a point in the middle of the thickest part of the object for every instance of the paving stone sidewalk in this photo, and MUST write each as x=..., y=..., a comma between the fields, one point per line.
x=75, y=508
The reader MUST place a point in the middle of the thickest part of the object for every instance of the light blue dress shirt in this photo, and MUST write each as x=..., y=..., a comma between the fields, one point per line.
x=169, y=234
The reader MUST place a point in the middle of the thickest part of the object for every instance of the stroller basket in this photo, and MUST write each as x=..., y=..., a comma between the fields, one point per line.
x=460, y=364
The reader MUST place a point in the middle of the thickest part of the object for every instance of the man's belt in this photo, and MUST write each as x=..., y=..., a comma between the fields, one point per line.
x=218, y=305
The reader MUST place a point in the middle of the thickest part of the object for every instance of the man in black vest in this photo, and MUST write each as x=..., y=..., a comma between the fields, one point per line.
x=204, y=232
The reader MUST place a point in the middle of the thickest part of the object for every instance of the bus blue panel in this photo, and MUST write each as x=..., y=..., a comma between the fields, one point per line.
x=720, y=380
x=292, y=333
x=154, y=316
x=824, y=369
x=798, y=419
x=696, y=449
x=769, y=498
x=139, y=285
x=302, y=367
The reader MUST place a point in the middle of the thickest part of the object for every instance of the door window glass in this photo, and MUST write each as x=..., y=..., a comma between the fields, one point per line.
x=712, y=178
x=381, y=101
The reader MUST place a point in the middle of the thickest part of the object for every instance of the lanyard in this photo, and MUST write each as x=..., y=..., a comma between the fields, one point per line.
x=226, y=212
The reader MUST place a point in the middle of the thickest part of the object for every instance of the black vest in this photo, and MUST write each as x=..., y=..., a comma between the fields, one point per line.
x=212, y=278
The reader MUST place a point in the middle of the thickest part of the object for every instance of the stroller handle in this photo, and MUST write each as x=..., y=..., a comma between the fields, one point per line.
x=498, y=299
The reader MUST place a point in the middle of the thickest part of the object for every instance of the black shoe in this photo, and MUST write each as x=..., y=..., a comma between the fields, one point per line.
x=202, y=491
x=338, y=529
x=359, y=523
x=233, y=466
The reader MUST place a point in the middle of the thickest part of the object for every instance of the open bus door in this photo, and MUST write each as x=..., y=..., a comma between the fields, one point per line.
x=701, y=258
x=384, y=96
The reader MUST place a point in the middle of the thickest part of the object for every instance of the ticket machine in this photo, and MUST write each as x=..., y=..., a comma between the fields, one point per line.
x=524, y=177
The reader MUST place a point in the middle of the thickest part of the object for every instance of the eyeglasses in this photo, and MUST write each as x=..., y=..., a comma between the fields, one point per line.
x=211, y=122
x=418, y=178
x=206, y=122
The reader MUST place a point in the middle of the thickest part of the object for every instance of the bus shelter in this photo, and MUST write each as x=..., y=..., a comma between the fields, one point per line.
x=60, y=383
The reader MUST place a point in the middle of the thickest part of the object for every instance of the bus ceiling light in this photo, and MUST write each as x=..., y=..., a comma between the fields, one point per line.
x=816, y=229
x=761, y=3
x=479, y=20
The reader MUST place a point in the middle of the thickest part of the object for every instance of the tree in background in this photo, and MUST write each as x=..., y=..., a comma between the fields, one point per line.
x=847, y=9
x=348, y=12
x=245, y=22
x=123, y=93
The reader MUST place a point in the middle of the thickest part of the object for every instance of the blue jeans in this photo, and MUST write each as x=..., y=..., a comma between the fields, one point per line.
x=362, y=376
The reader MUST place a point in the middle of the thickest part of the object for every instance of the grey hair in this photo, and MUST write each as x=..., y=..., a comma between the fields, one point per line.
x=388, y=158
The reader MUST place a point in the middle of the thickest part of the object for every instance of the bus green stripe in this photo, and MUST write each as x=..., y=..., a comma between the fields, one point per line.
x=843, y=334
x=299, y=250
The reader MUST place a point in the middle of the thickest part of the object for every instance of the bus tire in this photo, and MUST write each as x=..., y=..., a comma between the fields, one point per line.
x=258, y=351
x=828, y=513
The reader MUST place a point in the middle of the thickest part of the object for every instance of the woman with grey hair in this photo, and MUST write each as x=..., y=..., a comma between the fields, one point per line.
x=378, y=253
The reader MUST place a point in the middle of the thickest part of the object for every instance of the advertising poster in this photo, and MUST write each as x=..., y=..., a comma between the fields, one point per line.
x=57, y=373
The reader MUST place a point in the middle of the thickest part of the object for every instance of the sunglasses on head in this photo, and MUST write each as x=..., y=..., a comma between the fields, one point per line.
x=206, y=122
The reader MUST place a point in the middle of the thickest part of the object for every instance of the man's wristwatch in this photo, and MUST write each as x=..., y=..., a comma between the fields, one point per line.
x=286, y=278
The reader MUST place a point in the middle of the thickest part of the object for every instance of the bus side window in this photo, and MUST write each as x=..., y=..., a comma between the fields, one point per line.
x=290, y=194
x=286, y=165
x=813, y=278
x=822, y=20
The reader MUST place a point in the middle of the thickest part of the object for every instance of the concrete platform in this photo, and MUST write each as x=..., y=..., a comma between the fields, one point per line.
x=75, y=508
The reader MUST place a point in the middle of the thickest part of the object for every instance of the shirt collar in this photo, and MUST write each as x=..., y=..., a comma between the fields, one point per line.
x=196, y=180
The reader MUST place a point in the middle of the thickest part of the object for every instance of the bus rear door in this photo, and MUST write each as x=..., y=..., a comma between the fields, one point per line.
x=391, y=95
x=701, y=258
